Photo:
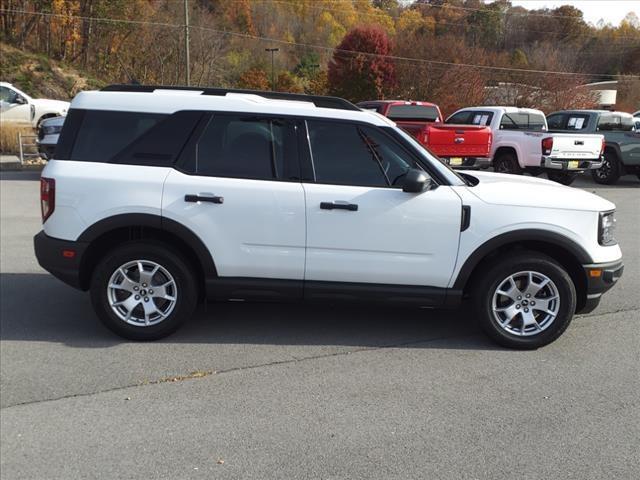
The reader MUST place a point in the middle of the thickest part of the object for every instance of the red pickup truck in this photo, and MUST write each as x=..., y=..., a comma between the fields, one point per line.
x=461, y=146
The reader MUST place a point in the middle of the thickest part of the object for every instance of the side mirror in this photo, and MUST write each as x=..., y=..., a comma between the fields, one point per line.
x=20, y=100
x=416, y=181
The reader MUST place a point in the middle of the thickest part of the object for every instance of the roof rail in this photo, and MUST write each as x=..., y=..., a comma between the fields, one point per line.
x=317, y=100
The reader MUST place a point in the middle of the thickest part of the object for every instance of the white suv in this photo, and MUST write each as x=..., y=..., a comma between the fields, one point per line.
x=159, y=197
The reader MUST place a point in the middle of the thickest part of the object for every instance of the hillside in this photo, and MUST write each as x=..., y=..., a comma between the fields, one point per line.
x=40, y=76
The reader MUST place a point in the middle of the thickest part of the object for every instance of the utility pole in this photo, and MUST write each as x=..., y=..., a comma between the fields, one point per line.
x=186, y=43
x=273, y=78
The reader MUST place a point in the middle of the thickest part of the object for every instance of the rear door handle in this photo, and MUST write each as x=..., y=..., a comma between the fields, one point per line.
x=203, y=198
x=339, y=205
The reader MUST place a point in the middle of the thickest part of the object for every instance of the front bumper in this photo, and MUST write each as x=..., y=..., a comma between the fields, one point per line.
x=568, y=164
x=467, y=162
x=61, y=258
x=600, y=278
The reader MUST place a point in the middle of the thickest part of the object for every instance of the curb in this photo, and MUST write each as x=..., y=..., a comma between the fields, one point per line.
x=18, y=167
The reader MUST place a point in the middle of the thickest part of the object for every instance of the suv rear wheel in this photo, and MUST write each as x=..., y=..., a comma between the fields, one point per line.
x=143, y=291
x=526, y=300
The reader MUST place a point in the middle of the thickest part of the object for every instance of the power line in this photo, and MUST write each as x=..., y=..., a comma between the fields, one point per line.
x=319, y=47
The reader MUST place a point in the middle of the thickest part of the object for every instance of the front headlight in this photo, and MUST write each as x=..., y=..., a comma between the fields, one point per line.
x=606, y=228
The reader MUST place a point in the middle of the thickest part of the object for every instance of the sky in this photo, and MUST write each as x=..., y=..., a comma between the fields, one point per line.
x=612, y=11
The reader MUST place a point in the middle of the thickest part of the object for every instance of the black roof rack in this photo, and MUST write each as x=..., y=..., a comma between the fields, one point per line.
x=317, y=100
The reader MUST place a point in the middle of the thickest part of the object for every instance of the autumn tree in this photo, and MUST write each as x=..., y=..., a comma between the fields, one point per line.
x=359, y=69
x=254, y=79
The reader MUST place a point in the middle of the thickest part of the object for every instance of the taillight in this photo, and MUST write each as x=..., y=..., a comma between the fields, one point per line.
x=602, y=147
x=47, y=197
x=425, y=138
x=547, y=145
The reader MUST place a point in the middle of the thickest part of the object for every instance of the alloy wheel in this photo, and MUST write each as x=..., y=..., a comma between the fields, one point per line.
x=142, y=293
x=525, y=303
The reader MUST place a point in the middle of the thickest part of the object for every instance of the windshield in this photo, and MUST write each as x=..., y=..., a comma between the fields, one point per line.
x=413, y=112
x=453, y=177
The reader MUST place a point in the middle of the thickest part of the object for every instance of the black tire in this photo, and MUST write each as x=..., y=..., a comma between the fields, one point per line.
x=565, y=178
x=496, y=276
x=507, y=163
x=185, y=292
x=610, y=171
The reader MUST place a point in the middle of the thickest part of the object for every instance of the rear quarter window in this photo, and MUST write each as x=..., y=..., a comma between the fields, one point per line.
x=98, y=135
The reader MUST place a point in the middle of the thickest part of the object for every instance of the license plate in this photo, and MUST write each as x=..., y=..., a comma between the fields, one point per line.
x=455, y=161
x=573, y=164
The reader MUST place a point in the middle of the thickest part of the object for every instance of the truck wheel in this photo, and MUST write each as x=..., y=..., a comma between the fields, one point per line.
x=565, y=178
x=526, y=300
x=507, y=163
x=143, y=291
x=609, y=172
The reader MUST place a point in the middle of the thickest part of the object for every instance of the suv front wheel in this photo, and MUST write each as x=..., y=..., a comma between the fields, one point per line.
x=525, y=300
x=143, y=291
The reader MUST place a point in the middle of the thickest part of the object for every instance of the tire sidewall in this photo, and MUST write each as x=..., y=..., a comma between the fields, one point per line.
x=510, y=265
x=614, y=170
x=161, y=254
x=510, y=162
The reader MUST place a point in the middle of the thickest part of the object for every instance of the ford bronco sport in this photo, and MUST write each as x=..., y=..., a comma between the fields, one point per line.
x=158, y=197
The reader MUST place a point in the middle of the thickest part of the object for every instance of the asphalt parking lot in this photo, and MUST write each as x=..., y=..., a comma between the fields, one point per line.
x=297, y=391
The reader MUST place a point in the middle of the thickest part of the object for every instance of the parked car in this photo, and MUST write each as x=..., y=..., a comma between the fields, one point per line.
x=521, y=142
x=48, y=133
x=636, y=119
x=460, y=146
x=160, y=196
x=18, y=107
x=622, y=140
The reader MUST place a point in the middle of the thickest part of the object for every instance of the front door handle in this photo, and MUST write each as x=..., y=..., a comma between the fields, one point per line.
x=203, y=198
x=339, y=205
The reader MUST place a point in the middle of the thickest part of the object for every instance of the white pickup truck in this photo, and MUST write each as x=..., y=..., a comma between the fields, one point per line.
x=521, y=142
x=18, y=107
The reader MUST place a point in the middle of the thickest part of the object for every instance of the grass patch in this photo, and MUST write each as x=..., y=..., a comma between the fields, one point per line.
x=9, y=138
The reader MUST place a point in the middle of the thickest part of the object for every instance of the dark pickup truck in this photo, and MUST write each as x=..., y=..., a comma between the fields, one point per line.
x=622, y=141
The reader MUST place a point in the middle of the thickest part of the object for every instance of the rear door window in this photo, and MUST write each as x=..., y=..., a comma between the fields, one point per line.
x=245, y=146
x=612, y=122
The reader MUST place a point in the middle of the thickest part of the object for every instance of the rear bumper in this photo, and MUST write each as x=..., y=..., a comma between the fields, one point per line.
x=467, y=162
x=55, y=257
x=563, y=164
x=600, y=278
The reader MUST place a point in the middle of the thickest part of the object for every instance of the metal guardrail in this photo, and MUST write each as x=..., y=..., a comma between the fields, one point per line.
x=25, y=146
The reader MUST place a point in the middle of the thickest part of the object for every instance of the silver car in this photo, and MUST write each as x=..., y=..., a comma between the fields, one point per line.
x=48, y=133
